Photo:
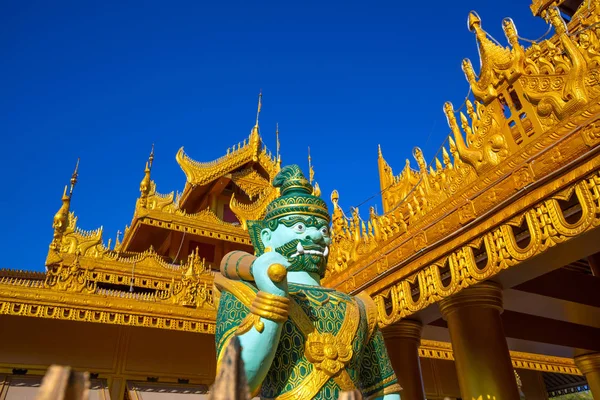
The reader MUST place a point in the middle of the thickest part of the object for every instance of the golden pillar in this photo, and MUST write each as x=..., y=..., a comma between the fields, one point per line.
x=589, y=365
x=481, y=353
x=402, y=341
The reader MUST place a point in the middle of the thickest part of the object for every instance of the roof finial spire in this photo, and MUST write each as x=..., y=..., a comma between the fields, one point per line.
x=74, y=178
x=61, y=218
x=311, y=171
x=259, y=106
x=151, y=158
x=278, y=156
x=146, y=183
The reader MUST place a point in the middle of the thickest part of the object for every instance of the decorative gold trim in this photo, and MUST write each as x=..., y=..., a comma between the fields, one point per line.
x=203, y=324
x=318, y=377
x=393, y=294
x=520, y=360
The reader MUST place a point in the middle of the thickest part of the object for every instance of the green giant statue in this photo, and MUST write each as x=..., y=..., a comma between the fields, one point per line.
x=299, y=340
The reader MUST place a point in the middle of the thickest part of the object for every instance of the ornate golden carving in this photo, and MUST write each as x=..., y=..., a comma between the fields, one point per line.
x=250, y=182
x=528, y=105
x=71, y=278
x=255, y=210
x=326, y=353
x=546, y=226
x=591, y=133
x=466, y=213
x=198, y=173
x=193, y=288
x=520, y=360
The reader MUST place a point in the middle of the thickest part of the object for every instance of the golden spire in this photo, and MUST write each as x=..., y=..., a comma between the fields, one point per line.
x=278, y=144
x=151, y=157
x=74, y=178
x=259, y=106
x=311, y=171
x=146, y=181
x=61, y=218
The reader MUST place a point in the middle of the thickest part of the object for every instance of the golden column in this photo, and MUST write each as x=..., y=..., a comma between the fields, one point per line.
x=402, y=341
x=589, y=365
x=481, y=353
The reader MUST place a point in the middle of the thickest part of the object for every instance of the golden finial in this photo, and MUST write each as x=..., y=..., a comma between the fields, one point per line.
x=61, y=218
x=146, y=181
x=473, y=21
x=278, y=144
x=74, y=178
x=379, y=153
x=311, y=171
x=259, y=106
x=151, y=158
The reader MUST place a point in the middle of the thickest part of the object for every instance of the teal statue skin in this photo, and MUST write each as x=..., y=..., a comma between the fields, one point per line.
x=300, y=340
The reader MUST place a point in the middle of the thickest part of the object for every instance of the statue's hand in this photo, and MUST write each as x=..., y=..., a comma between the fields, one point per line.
x=268, y=278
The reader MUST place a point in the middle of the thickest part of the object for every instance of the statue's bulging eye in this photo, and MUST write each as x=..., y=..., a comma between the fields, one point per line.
x=325, y=231
x=299, y=228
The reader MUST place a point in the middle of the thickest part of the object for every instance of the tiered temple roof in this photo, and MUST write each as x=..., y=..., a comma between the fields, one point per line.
x=168, y=252
x=517, y=176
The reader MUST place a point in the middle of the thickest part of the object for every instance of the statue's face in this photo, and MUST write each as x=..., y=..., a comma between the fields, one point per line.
x=303, y=240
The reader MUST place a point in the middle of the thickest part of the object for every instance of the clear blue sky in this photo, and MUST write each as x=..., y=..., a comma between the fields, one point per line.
x=104, y=80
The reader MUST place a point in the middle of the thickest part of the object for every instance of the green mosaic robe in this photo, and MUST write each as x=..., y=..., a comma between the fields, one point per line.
x=369, y=368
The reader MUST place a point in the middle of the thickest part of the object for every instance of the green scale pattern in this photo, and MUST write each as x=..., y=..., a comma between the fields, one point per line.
x=290, y=367
x=368, y=367
x=230, y=314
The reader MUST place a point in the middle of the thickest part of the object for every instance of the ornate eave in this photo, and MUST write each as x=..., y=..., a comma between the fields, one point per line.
x=20, y=299
x=520, y=360
x=395, y=188
x=204, y=223
x=203, y=173
x=76, y=289
x=507, y=171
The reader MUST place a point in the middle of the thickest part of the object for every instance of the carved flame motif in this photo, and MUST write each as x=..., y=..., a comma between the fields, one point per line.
x=521, y=97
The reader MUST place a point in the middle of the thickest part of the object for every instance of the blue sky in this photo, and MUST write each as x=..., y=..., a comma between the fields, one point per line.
x=104, y=80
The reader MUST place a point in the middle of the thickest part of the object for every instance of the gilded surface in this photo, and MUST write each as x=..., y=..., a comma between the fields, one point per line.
x=524, y=145
x=533, y=113
x=520, y=360
x=252, y=150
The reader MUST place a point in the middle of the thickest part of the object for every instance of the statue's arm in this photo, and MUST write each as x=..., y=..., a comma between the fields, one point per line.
x=259, y=321
x=258, y=336
x=378, y=379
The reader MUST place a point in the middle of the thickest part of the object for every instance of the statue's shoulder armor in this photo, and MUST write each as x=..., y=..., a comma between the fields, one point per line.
x=242, y=291
x=371, y=311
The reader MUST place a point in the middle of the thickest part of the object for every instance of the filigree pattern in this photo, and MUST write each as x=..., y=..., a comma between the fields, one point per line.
x=545, y=226
x=251, y=182
x=198, y=173
x=525, y=100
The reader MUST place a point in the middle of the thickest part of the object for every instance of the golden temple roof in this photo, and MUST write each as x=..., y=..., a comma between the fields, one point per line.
x=527, y=105
x=250, y=151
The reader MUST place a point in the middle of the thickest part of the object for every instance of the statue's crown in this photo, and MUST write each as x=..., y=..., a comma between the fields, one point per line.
x=296, y=196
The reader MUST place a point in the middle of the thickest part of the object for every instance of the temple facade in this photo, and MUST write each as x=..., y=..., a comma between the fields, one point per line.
x=484, y=265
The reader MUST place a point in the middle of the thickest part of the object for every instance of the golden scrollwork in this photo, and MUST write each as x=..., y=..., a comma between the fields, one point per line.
x=193, y=289
x=71, y=278
x=545, y=225
x=198, y=173
x=257, y=209
x=526, y=101
x=520, y=360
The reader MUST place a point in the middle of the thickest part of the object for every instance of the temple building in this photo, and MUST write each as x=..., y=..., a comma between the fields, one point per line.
x=484, y=265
